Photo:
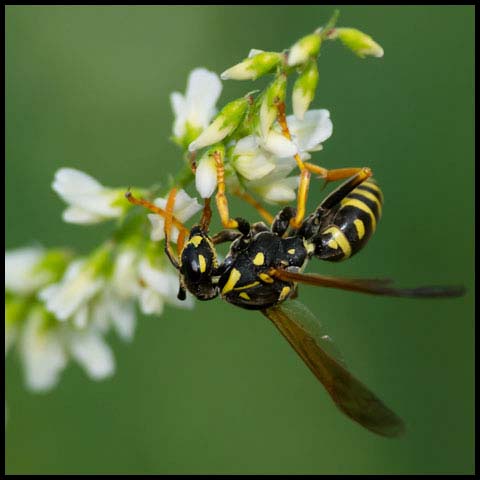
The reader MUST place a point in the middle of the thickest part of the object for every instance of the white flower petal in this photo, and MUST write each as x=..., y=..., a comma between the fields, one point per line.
x=42, y=354
x=185, y=207
x=19, y=270
x=76, y=288
x=80, y=216
x=70, y=181
x=309, y=133
x=124, y=277
x=80, y=318
x=206, y=177
x=93, y=354
x=177, y=101
x=158, y=227
x=279, y=145
x=203, y=90
x=123, y=318
x=282, y=191
x=253, y=168
x=151, y=302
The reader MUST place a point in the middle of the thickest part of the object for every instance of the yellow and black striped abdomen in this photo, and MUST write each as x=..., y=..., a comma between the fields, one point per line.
x=352, y=224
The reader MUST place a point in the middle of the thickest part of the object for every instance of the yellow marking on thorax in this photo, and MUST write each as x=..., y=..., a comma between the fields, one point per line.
x=232, y=280
x=370, y=196
x=360, y=227
x=196, y=240
x=354, y=202
x=283, y=294
x=339, y=240
x=291, y=251
x=259, y=259
x=203, y=263
x=250, y=285
x=266, y=278
x=309, y=247
x=244, y=295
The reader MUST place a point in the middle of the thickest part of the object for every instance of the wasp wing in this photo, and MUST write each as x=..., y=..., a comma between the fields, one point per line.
x=301, y=329
x=374, y=286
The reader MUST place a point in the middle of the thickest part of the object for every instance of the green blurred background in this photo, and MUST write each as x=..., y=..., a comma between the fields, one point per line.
x=218, y=390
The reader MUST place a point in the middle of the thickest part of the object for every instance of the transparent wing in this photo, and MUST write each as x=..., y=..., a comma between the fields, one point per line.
x=304, y=333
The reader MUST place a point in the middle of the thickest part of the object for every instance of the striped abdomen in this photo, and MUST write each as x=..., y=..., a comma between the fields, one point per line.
x=351, y=225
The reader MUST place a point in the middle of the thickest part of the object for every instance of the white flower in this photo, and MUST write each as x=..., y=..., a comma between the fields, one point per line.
x=124, y=277
x=89, y=201
x=112, y=310
x=42, y=352
x=277, y=187
x=20, y=274
x=90, y=350
x=71, y=295
x=276, y=143
x=312, y=131
x=250, y=160
x=185, y=207
x=46, y=347
x=206, y=176
x=196, y=108
x=159, y=286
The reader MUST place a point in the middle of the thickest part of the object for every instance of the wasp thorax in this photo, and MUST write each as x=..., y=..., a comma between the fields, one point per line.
x=198, y=264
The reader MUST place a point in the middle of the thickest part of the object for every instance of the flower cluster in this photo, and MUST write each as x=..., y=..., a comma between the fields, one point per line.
x=60, y=306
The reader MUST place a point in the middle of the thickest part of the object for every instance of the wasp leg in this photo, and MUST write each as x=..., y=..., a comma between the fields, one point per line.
x=267, y=216
x=332, y=175
x=343, y=190
x=206, y=216
x=304, y=184
x=183, y=231
x=220, y=198
x=281, y=222
x=225, y=236
x=168, y=230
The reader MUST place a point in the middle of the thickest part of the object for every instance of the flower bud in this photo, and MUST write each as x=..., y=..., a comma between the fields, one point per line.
x=206, y=173
x=304, y=49
x=253, y=67
x=360, y=43
x=304, y=89
x=224, y=124
x=274, y=94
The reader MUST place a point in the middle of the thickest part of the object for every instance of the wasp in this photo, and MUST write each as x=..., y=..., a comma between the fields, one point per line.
x=264, y=267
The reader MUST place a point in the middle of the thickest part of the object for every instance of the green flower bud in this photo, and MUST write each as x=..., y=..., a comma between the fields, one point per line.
x=253, y=67
x=223, y=125
x=304, y=49
x=360, y=43
x=274, y=94
x=304, y=89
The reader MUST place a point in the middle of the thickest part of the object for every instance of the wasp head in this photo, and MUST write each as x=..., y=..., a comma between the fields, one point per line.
x=198, y=264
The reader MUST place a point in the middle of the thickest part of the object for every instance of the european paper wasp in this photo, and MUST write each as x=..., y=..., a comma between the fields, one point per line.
x=265, y=264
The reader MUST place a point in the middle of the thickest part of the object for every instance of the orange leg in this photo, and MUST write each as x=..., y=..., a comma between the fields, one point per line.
x=255, y=204
x=306, y=168
x=304, y=172
x=168, y=229
x=169, y=218
x=206, y=216
x=335, y=174
x=220, y=198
